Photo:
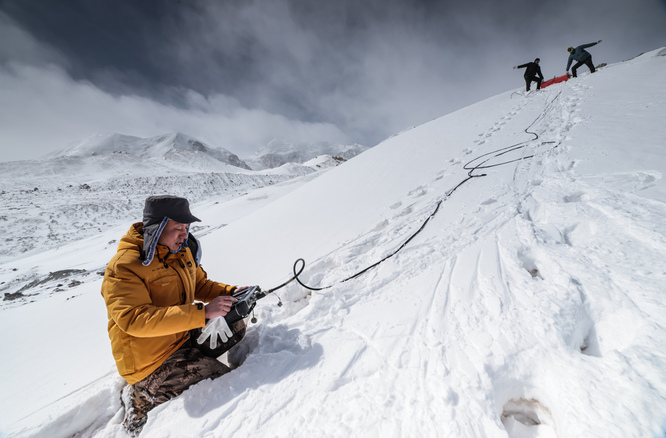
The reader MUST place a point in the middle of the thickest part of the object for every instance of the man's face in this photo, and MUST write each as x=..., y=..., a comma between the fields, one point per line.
x=173, y=235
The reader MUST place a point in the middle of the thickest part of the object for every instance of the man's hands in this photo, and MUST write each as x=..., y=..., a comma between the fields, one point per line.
x=217, y=325
x=220, y=306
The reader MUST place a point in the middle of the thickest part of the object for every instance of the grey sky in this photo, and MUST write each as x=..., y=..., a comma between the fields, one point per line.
x=239, y=73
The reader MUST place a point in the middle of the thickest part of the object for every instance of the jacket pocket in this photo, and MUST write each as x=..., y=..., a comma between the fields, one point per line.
x=166, y=290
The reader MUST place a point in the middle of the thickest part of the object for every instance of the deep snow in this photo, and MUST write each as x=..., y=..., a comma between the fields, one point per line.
x=531, y=305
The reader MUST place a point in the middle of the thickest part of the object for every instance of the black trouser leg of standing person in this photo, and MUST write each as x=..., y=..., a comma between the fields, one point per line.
x=574, y=68
x=529, y=80
x=587, y=61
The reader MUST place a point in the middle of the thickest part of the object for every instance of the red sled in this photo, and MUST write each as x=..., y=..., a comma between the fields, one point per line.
x=556, y=80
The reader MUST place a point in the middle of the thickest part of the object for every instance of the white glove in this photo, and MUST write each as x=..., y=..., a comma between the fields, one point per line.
x=215, y=327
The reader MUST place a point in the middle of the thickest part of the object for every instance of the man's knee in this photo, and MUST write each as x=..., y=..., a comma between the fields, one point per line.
x=189, y=368
x=189, y=365
x=181, y=370
x=186, y=367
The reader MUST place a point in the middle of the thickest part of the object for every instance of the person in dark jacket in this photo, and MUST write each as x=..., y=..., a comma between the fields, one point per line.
x=581, y=56
x=532, y=73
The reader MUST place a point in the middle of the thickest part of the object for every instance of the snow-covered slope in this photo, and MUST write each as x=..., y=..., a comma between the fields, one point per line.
x=530, y=304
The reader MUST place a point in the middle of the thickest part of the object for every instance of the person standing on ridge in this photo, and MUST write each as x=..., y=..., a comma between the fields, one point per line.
x=532, y=73
x=155, y=289
x=581, y=57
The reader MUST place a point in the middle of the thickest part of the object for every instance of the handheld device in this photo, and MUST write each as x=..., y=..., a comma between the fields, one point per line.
x=247, y=299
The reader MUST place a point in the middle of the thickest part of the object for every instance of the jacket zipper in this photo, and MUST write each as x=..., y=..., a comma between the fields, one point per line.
x=183, y=295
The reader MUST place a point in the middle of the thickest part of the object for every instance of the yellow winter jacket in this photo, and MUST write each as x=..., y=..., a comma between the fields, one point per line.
x=151, y=308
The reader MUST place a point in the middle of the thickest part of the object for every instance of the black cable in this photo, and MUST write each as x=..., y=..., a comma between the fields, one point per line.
x=496, y=153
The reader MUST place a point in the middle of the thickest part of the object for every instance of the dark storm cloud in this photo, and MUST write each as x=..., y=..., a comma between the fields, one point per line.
x=357, y=71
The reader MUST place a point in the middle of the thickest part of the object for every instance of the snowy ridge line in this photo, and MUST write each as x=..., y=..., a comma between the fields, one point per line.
x=492, y=154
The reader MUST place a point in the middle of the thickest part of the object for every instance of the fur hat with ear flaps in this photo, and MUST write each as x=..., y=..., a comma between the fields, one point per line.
x=173, y=207
x=157, y=211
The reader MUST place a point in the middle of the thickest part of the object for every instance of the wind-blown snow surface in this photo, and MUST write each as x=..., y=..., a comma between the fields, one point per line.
x=531, y=304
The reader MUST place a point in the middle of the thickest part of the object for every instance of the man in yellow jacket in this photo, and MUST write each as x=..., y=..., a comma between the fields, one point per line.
x=155, y=290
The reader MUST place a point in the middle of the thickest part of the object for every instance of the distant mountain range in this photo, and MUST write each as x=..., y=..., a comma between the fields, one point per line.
x=178, y=146
x=151, y=148
x=280, y=152
x=103, y=180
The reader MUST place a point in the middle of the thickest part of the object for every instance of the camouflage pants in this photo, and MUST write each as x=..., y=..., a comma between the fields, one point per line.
x=190, y=364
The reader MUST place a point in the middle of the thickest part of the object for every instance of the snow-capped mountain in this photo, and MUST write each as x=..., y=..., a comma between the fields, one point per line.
x=521, y=292
x=103, y=180
x=279, y=152
x=159, y=147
